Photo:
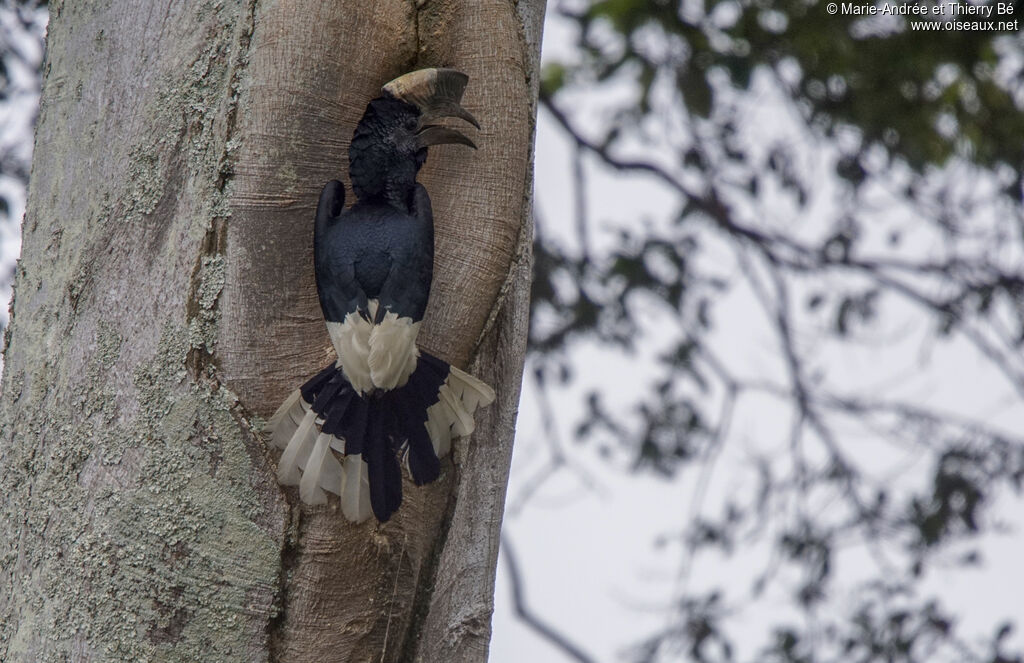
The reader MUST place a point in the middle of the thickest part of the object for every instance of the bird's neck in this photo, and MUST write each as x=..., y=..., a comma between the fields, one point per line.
x=379, y=174
x=380, y=166
x=384, y=188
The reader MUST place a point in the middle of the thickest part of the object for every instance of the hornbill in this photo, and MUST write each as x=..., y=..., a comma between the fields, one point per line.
x=383, y=403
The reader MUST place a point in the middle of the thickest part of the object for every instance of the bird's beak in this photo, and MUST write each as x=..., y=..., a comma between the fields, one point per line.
x=437, y=93
x=432, y=134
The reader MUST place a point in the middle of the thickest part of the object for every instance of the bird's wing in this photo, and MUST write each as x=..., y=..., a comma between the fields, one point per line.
x=342, y=298
x=407, y=287
x=334, y=260
x=403, y=296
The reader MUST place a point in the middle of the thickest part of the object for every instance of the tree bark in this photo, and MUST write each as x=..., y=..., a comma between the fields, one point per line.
x=164, y=303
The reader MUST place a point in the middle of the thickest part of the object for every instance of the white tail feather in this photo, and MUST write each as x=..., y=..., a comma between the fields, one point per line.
x=351, y=340
x=331, y=471
x=281, y=416
x=355, y=489
x=452, y=414
x=439, y=430
x=287, y=419
x=309, y=487
x=461, y=421
x=474, y=393
x=297, y=451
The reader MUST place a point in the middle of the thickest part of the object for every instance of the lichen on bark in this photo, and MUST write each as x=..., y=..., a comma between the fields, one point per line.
x=154, y=518
x=165, y=300
x=139, y=520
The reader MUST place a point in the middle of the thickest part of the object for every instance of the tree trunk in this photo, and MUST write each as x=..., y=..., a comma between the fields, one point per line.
x=165, y=303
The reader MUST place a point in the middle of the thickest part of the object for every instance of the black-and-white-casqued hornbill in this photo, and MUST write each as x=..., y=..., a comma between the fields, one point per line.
x=383, y=403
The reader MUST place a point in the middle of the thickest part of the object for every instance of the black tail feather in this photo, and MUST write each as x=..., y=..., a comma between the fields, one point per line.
x=336, y=410
x=374, y=453
x=422, y=388
x=433, y=373
x=316, y=383
x=384, y=472
x=424, y=464
x=325, y=398
x=393, y=441
x=354, y=425
x=382, y=426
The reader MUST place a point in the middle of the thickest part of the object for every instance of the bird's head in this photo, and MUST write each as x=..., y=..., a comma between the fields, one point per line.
x=390, y=143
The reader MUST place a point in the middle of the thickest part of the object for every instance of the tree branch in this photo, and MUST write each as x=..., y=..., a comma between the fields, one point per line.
x=539, y=626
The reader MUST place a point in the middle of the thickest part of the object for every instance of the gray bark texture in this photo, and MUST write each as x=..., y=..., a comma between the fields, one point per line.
x=165, y=305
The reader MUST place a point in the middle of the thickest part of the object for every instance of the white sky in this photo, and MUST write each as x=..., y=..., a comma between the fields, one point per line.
x=588, y=555
x=15, y=124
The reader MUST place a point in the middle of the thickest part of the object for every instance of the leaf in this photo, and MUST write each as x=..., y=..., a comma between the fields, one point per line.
x=552, y=78
x=697, y=93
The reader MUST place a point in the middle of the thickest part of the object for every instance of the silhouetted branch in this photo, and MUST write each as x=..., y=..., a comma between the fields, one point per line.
x=557, y=458
x=794, y=255
x=539, y=626
x=962, y=281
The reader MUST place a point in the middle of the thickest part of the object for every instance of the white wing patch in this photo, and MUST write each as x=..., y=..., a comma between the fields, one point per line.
x=351, y=340
x=372, y=356
x=393, y=351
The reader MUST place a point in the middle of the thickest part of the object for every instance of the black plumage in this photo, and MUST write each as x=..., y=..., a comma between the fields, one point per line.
x=379, y=249
x=383, y=401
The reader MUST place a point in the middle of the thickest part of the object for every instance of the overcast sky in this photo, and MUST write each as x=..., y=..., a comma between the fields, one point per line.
x=587, y=539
